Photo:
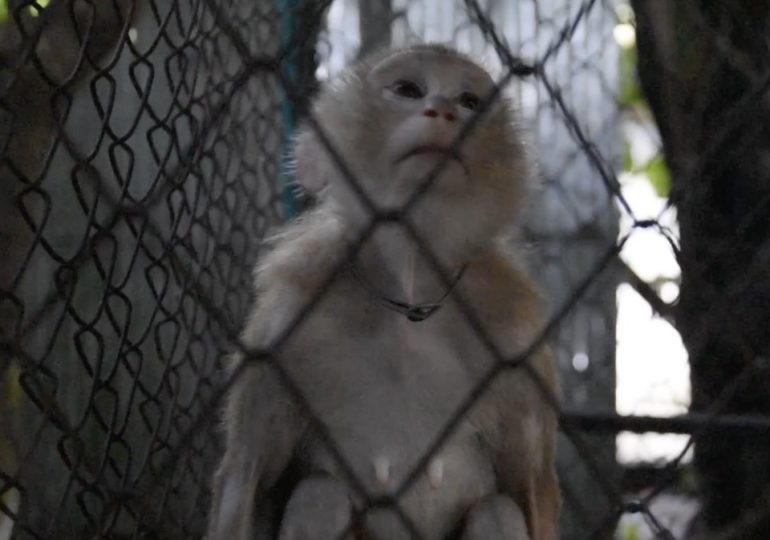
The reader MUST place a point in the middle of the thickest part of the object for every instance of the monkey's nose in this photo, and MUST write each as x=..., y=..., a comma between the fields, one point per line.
x=440, y=107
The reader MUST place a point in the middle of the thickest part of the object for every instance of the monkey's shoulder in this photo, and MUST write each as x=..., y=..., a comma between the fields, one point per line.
x=303, y=254
x=504, y=298
x=299, y=260
x=510, y=306
x=501, y=289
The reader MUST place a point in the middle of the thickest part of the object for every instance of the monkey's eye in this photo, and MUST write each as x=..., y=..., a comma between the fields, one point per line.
x=469, y=100
x=407, y=89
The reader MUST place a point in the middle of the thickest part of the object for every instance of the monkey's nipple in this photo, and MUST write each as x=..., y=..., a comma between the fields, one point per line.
x=436, y=473
x=382, y=470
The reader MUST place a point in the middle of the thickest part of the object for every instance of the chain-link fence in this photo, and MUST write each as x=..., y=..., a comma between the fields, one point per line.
x=143, y=163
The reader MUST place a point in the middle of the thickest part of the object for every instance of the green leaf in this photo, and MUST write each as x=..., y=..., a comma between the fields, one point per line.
x=3, y=10
x=628, y=159
x=630, y=532
x=37, y=7
x=659, y=176
x=630, y=92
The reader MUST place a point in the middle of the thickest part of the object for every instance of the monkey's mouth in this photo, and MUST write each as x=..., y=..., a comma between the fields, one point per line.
x=450, y=153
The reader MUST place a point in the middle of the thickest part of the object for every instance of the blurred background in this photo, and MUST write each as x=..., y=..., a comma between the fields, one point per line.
x=142, y=162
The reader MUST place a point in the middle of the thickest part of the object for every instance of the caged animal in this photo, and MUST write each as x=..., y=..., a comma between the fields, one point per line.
x=387, y=355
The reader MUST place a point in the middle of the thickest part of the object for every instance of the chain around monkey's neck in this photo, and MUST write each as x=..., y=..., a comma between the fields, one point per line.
x=392, y=269
x=414, y=312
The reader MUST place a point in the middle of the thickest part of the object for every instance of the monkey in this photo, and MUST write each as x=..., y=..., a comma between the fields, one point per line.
x=388, y=354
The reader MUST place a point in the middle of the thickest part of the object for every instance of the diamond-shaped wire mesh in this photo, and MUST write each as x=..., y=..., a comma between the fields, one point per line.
x=142, y=165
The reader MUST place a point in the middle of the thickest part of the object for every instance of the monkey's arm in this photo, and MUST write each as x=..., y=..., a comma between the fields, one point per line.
x=525, y=459
x=523, y=438
x=263, y=426
x=263, y=423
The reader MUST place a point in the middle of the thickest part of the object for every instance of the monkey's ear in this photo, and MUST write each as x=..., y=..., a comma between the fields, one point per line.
x=311, y=161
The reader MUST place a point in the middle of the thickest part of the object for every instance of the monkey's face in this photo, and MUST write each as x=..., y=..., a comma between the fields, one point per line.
x=420, y=100
x=394, y=123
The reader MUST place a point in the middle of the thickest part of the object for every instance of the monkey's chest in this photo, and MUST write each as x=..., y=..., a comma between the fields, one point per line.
x=387, y=398
x=397, y=384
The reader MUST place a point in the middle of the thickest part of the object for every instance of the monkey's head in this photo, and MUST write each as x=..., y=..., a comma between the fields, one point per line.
x=393, y=120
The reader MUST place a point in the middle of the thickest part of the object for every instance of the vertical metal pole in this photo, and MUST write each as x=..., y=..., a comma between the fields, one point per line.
x=287, y=12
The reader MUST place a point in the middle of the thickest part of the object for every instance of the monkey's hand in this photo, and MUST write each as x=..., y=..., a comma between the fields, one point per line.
x=496, y=518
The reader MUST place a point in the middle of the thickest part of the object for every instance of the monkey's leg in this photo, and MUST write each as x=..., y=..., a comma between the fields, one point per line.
x=495, y=518
x=319, y=509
